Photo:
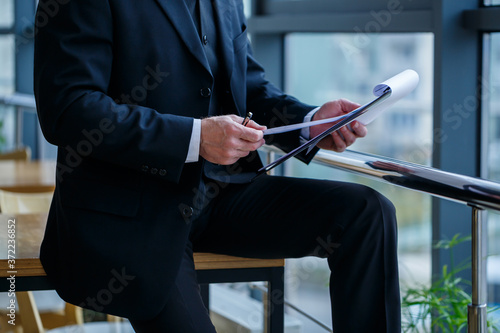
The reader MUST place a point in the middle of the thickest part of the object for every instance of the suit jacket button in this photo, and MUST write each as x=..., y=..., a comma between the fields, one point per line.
x=187, y=212
x=154, y=171
x=144, y=168
x=163, y=172
x=206, y=92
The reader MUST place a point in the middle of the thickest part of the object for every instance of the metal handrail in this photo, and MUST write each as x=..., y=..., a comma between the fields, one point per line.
x=476, y=192
x=468, y=190
x=20, y=102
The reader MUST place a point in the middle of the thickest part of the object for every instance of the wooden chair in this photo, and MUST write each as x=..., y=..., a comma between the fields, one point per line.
x=56, y=312
x=22, y=154
x=24, y=203
x=217, y=268
x=31, y=319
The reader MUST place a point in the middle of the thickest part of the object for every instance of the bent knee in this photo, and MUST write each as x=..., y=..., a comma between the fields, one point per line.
x=373, y=202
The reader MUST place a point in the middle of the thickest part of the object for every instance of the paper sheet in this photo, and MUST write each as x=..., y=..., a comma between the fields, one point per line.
x=400, y=85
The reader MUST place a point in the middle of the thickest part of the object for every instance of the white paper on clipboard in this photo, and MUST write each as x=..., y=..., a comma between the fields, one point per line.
x=400, y=85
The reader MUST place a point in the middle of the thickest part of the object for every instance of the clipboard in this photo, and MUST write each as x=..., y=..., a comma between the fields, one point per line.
x=350, y=117
x=387, y=92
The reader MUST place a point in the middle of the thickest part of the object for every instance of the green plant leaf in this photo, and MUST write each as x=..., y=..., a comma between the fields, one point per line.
x=445, y=298
x=2, y=137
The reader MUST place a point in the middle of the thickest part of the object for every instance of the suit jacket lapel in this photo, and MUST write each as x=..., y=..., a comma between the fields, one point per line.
x=178, y=13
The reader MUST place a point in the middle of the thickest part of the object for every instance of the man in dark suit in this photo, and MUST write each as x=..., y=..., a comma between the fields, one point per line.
x=145, y=101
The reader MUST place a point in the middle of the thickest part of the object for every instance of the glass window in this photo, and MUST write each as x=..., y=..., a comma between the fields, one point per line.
x=327, y=66
x=7, y=128
x=492, y=93
x=248, y=7
x=492, y=102
x=7, y=51
x=6, y=13
x=322, y=67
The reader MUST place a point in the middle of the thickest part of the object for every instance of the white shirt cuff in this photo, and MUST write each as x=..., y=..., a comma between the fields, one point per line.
x=194, y=145
x=305, y=131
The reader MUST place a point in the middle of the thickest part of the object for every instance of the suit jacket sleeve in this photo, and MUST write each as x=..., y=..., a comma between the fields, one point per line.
x=73, y=68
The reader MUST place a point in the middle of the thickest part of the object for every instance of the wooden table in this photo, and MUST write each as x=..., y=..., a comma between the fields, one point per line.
x=33, y=176
x=28, y=234
x=211, y=268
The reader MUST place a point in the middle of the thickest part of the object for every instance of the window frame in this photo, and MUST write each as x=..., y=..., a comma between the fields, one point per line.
x=458, y=28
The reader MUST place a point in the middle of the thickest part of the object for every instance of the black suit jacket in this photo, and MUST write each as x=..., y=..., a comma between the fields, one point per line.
x=117, y=84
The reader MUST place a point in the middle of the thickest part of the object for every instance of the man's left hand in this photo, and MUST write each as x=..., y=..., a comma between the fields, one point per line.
x=344, y=137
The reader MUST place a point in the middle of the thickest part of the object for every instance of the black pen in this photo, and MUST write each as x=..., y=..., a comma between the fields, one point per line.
x=247, y=119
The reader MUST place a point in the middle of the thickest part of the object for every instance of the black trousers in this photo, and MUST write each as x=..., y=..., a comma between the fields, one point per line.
x=352, y=226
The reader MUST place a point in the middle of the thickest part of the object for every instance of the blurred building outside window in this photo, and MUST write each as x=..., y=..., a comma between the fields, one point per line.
x=7, y=59
x=492, y=101
x=7, y=13
x=326, y=66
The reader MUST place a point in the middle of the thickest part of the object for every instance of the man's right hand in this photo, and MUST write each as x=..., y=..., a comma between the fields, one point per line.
x=224, y=140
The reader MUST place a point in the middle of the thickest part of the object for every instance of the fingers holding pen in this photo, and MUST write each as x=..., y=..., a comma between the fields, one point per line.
x=224, y=139
x=250, y=131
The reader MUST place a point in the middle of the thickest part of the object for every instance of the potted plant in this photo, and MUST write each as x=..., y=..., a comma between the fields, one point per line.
x=442, y=306
x=2, y=137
